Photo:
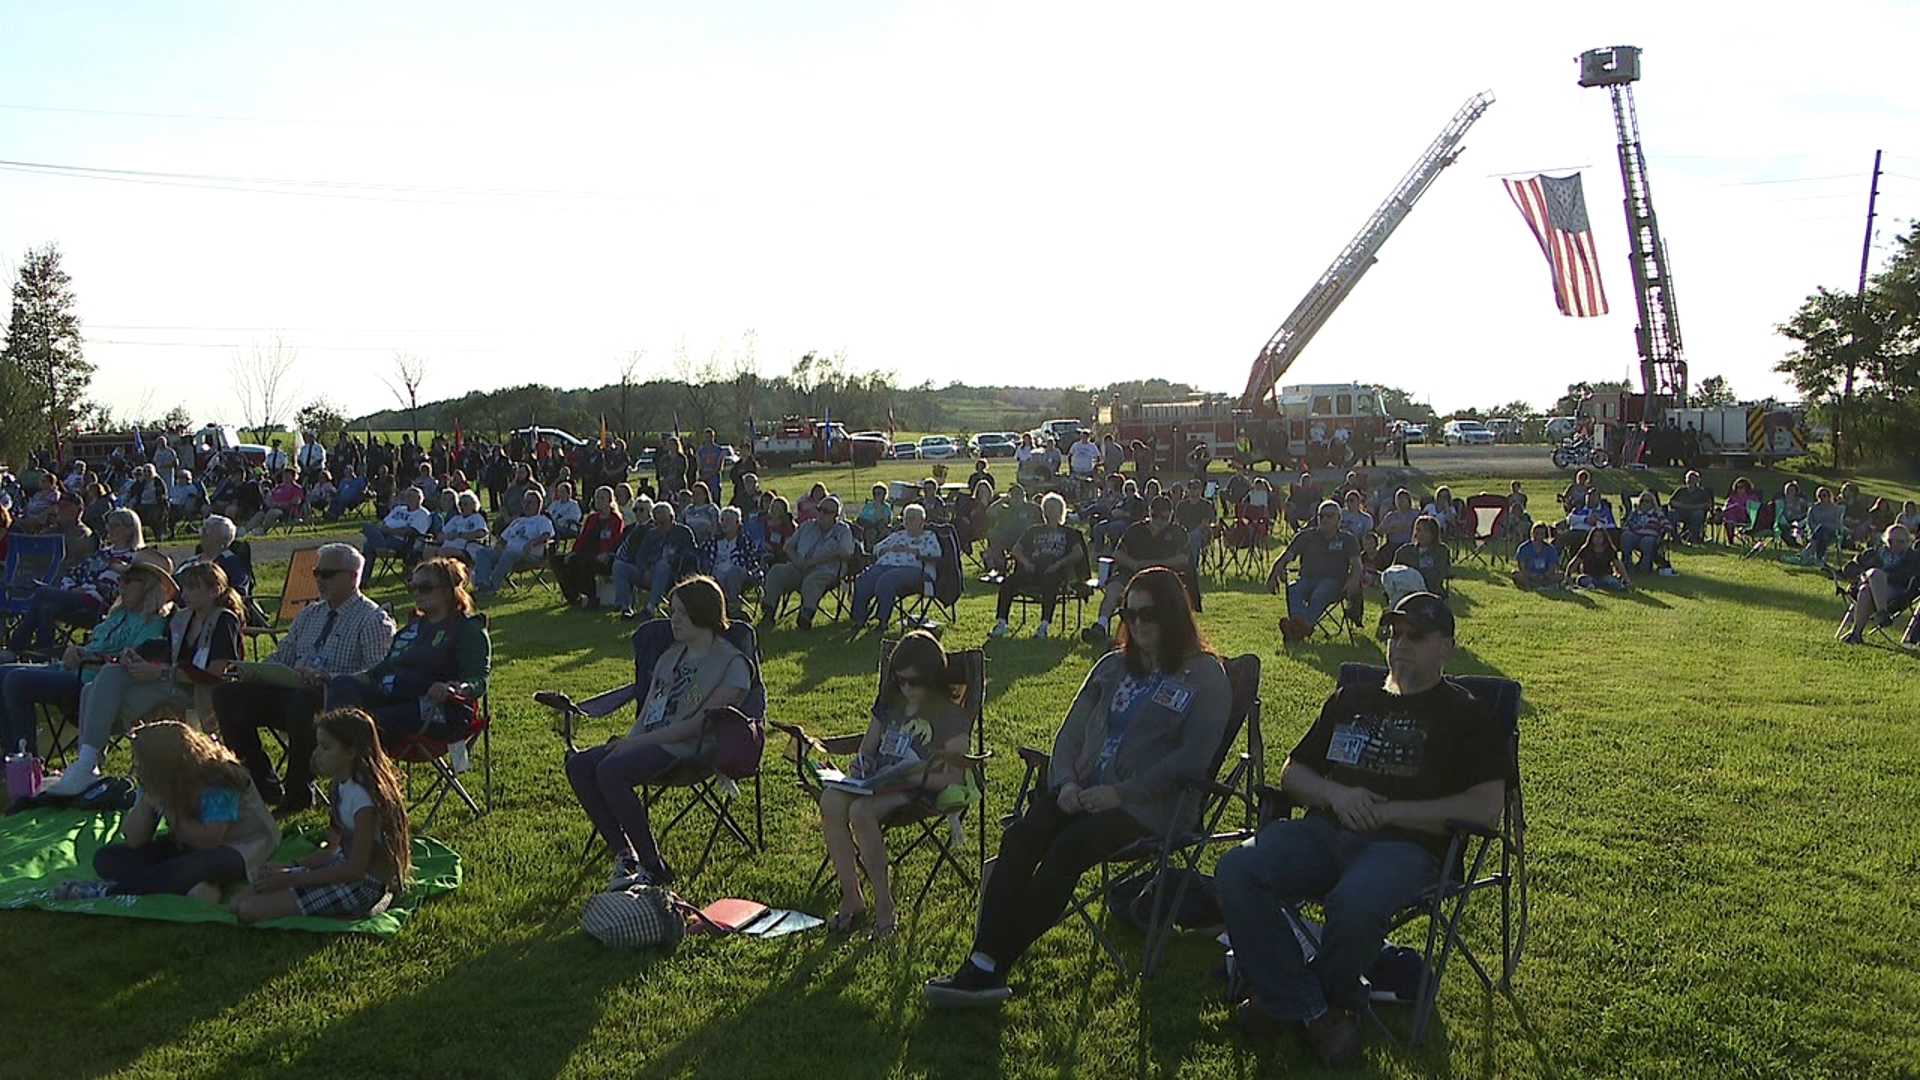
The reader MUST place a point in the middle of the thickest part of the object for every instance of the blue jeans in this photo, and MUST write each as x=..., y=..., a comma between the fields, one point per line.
x=626, y=576
x=1607, y=582
x=1362, y=879
x=1642, y=545
x=1691, y=524
x=884, y=584
x=23, y=686
x=45, y=608
x=377, y=542
x=1309, y=598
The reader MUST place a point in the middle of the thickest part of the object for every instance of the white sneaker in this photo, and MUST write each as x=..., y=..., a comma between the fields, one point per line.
x=1040, y=634
x=73, y=781
x=999, y=629
x=1668, y=571
x=626, y=873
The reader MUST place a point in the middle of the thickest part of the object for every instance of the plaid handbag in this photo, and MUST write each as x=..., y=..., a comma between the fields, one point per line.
x=642, y=917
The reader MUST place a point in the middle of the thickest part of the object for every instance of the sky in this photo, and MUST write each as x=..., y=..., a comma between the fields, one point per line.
x=1019, y=193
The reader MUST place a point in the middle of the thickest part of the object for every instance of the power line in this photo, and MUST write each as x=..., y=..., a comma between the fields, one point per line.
x=194, y=116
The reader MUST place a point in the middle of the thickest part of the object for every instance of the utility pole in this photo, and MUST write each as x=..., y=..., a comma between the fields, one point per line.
x=1860, y=318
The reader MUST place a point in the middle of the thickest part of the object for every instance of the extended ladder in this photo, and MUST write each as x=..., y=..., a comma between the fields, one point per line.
x=1286, y=344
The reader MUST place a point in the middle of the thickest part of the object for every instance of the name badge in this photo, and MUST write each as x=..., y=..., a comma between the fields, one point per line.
x=895, y=745
x=1346, y=746
x=1173, y=696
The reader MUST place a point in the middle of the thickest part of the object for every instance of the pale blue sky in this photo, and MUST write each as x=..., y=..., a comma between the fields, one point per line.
x=1026, y=193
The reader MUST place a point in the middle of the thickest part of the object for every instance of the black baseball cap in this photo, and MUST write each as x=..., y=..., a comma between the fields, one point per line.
x=1422, y=613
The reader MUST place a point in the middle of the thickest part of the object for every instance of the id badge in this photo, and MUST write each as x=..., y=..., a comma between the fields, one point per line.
x=1346, y=746
x=656, y=714
x=895, y=745
x=1172, y=695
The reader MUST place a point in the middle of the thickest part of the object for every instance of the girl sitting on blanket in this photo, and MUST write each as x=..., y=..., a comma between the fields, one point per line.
x=218, y=828
x=915, y=718
x=368, y=854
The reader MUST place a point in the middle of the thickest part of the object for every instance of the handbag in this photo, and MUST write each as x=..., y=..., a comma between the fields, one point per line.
x=732, y=742
x=641, y=917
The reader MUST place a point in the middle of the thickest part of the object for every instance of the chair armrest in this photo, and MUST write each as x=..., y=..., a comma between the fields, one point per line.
x=1037, y=759
x=1471, y=828
x=842, y=744
x=557, y=701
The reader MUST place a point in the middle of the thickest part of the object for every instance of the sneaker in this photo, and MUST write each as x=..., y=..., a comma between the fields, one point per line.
x=1910, y=643
x=81, y=889
x=1668, y=571
x=627, y=872
x=968, y=988
x=72, y=782
x=629, y=613
x=805, y=621
x=1040, y=633
x=1094, y=635
x=1000, y=629
x=1335, y=1038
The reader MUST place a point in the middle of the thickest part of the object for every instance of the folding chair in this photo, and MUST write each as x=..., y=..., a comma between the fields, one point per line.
x=941, y=596
x=1486, y=521
x=32, y=561
x=1209, y=801
x=941, y=830
x=1347, y=614
x=444, y=759
x=1769, y=528
x=300, y=589
x=705, y=786
x=1077, y=586
x=1240, y=548
x=1478, y=860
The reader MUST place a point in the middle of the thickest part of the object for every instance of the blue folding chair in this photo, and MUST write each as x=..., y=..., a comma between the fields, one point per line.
x=32, y=561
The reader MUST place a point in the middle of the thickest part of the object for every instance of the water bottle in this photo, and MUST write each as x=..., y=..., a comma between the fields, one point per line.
x=23, y=773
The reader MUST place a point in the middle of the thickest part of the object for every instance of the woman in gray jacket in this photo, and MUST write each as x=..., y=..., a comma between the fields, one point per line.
x=1146, y=722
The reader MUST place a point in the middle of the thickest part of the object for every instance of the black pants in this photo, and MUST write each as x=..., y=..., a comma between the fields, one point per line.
x=243, y=708
x=397, y=716
x=578, y=575
x=1042, y=587
x=163, y=865
x=1042, y=856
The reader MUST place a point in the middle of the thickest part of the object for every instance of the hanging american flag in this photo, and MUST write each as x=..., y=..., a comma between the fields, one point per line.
x=1556, y=210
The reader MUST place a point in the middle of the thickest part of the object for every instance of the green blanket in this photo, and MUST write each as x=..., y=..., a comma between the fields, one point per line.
x=41, y=848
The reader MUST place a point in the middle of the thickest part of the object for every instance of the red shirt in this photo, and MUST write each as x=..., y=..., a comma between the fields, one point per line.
x=599, y=534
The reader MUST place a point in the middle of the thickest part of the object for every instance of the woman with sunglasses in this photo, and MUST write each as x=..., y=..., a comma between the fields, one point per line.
x=435, y=671
x=1147, y=721
x=915, y=718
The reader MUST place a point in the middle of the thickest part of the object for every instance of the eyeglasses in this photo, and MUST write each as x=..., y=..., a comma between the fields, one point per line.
x=422, y=588
x=1131, y=615
x=325, y=572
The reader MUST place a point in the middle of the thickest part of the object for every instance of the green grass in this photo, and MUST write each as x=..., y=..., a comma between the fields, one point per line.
x=1721, y=801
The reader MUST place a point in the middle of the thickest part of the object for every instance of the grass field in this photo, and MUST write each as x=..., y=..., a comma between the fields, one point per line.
x=1721, y=801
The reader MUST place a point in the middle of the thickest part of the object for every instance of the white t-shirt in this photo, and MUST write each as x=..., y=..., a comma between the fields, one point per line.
x=1086, y=457
x=349, y=799
x=526, y=533
x=463, y=523
x=402, y=518
x=905, y=549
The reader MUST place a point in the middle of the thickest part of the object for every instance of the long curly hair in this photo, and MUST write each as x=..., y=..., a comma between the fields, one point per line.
x=176, y=763
x=373, y=770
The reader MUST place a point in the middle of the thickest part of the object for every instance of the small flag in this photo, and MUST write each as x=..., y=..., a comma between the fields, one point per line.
x=676, y=423
x=826, y=433
x=139, y=445
x=1556, y=210
x=457, y=444
x=890, y=423
x=603, y=431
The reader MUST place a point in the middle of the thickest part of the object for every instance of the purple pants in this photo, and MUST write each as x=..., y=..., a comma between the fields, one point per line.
x=604, y=779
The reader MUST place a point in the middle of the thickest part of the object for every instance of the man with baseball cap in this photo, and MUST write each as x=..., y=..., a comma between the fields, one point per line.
x=1380, y=773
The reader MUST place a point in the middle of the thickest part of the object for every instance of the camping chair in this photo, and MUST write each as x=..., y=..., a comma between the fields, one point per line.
x=1077, y=586
x=1152, y=861
x=1241, y=549
x=446, y=760
x=32, y=561
x=1478, y=860
x=300, y=589
x=1347, y=614
x=941, y=596
x=706, y=787
x=943, y=831
x=1486, y=520
x=1770, y=528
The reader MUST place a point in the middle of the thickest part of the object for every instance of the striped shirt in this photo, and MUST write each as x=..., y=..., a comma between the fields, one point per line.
x=361, y=635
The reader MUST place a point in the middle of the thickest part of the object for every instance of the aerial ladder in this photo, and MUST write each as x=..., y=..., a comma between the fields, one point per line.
x=1663, y=371
x=1314, y=309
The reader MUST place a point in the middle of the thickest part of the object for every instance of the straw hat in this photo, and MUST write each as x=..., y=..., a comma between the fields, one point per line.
x=158, y=573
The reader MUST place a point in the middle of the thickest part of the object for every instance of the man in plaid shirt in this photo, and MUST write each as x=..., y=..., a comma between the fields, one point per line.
x=341, y=633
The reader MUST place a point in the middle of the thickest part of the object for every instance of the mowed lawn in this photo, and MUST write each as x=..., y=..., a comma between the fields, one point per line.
x=1721, y=800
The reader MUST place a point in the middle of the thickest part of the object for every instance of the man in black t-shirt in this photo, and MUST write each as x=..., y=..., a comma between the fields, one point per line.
x=1380, y=772
x=1157, y=541
x=1329, y=568
x=1195, y=513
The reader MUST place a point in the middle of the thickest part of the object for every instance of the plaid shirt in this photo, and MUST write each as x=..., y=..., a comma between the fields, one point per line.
x=361, y=635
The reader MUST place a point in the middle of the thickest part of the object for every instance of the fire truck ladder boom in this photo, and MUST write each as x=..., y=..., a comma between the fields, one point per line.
x=1359, y=255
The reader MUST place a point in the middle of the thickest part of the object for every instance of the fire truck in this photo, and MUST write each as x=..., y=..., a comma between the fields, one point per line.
x=796, y=439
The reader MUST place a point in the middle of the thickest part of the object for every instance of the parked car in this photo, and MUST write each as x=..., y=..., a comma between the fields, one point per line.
x=992, y=444
x=937, y=447
x=1466, y=432
x=886, y=443
x=1504, y=428
x=904, y=450
x=1415, y=433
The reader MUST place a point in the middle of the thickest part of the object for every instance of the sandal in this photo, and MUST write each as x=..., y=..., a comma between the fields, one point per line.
x=883, y=930
x=844, y=921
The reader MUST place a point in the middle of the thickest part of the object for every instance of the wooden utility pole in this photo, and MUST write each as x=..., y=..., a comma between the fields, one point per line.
x=1859, y=317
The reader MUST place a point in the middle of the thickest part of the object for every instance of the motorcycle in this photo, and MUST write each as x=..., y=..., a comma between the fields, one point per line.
x=1580, y=451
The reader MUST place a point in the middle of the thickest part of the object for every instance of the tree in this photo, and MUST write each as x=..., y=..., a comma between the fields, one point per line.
x=628, y=366
x=1400, y=405
x=409, y=372
x=44, y=375
x=1713, y=390
x=262, y=384
x=177, y=419
x=322, y=417
x=1569, y=403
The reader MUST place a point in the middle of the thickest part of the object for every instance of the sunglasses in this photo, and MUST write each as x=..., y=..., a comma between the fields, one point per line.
x=324, y=572
x=421, y=588
x=1131, y=615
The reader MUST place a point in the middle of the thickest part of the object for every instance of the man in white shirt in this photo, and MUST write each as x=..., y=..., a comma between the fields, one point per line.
x=399, y=531
x=276, y=458
x=524, y=541
x=1085, y=458
x=313, y=457
x=165, y=461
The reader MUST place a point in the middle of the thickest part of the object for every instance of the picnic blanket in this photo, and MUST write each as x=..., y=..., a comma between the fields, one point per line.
x=41, y=848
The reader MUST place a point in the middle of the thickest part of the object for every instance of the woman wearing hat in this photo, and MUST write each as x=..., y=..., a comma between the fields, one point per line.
x=136, y=622
x=203, y=638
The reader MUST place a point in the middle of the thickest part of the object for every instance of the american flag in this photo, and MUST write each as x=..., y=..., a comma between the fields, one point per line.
x=1556, y=210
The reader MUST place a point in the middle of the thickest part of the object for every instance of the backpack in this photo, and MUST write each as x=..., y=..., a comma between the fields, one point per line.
x=1131, y=900
x=641, y=917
